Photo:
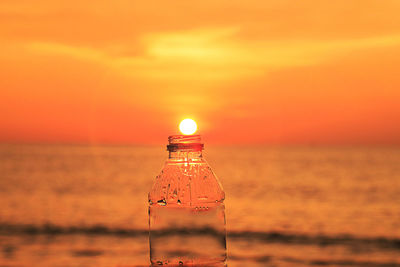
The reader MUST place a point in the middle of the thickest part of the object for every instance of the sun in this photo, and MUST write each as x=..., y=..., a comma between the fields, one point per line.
x=188, y=126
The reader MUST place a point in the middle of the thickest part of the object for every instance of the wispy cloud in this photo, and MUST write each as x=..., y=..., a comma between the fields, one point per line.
x=215, y=55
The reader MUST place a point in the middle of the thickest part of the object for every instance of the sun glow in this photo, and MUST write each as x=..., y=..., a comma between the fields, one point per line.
x=188, y=126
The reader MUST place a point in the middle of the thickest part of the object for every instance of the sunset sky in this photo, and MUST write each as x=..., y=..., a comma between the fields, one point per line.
x=268, y=72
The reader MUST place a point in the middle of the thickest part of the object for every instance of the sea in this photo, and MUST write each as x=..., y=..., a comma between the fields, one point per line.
x=86, y=205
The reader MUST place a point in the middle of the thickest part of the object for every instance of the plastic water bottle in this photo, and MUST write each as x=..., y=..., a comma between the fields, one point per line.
x=186, y=209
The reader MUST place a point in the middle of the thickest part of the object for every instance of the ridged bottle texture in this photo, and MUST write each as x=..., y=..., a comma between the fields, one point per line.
x=186, y=209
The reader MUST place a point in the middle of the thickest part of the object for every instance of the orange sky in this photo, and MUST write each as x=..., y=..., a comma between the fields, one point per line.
x=303, y=72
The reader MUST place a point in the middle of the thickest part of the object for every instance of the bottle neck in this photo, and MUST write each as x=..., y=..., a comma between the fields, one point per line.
x=185, y=155
x=185, y=147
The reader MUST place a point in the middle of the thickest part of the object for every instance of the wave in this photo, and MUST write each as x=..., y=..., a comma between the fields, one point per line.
x=51, y=229
x=381, y=243
x=319, y=240
x=291, y=261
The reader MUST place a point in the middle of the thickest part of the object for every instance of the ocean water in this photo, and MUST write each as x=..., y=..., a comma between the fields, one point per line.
x=285, y=206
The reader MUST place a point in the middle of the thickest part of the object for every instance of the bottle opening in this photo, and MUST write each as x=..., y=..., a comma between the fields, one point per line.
x=185, y=142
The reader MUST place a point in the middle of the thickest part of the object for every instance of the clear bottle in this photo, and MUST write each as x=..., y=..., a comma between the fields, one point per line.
x=186, y=209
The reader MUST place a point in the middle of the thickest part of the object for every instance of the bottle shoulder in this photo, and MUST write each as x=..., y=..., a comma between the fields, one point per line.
x=186, y=182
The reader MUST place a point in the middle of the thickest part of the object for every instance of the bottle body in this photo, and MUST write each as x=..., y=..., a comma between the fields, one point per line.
x=187, y=236
x=187, y=213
